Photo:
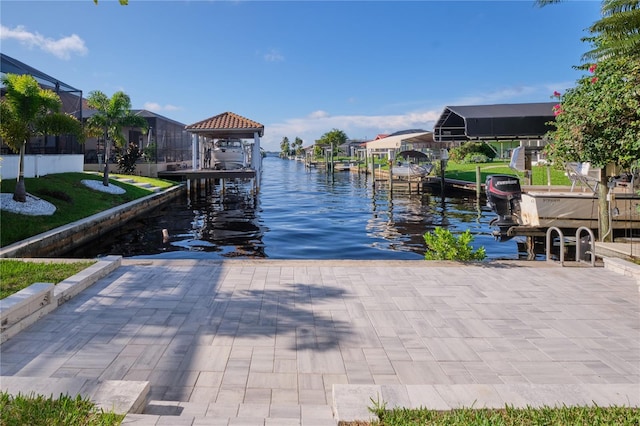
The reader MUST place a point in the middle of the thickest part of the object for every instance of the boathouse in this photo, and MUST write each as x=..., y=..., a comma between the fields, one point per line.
x=227, y=125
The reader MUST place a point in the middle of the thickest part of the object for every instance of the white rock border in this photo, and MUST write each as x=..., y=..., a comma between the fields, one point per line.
x=33, y=206
x=98, y=186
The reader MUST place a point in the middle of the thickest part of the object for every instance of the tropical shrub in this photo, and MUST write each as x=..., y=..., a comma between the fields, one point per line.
x=460, y=153
x=475, y=157
x=126, y=158
x=443, y=245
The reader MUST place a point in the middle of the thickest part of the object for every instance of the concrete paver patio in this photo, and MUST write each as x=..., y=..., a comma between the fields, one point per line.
x=270, y=342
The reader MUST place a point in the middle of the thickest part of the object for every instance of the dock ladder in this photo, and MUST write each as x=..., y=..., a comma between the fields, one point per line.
x=562, y=240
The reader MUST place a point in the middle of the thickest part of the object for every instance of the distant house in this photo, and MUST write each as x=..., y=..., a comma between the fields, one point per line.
x=405, y=140
x=351, y=147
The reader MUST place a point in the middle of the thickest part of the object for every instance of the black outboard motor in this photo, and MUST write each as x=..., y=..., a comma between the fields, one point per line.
x=503, y=196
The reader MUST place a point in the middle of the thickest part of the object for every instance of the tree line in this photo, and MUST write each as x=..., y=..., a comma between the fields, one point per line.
x=331, y=139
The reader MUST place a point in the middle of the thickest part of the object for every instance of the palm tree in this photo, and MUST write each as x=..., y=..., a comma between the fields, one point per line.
x=28, y=110
x=111, y=117
x=617, y=33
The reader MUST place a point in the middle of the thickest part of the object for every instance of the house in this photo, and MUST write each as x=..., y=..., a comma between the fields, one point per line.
x=44, y=154
x=166, y=145
x=402, y=141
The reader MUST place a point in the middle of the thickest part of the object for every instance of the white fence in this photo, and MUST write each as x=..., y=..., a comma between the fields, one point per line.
x=40, y=165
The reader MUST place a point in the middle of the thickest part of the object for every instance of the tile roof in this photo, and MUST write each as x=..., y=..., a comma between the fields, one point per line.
x=226, y=121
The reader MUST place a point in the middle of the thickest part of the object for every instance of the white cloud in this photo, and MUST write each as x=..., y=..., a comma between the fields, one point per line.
x=61, y=48
x=318, y=114
x=273, y=55
x=156, y=107
x=513, y=94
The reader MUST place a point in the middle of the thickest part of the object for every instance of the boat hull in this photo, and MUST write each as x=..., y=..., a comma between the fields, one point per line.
x=412, y=170
x=228, y=162
x=576, y=209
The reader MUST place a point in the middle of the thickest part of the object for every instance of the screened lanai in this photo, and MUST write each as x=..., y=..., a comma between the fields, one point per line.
x=71, y=104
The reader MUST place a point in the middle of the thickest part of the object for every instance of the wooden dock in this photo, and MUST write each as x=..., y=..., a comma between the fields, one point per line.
x=189, y=174
x=199, y=180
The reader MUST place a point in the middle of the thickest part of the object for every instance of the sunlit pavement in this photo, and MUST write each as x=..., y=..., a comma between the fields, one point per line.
x=273, y=342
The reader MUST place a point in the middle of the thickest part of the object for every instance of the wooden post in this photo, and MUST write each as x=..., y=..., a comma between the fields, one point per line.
x=390, y=172
x=443, y=165
x=478, y=182
x=373, y=173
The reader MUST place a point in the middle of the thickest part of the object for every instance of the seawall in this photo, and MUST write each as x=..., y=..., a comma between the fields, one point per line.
x=67, y=237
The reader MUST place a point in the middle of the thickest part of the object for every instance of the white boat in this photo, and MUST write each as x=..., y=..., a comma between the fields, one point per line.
x=535, y=209
x=228, y=154
x=566, y=209
x=411, y=169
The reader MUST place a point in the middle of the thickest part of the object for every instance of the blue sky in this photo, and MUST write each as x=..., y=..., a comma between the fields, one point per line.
x=302, y=68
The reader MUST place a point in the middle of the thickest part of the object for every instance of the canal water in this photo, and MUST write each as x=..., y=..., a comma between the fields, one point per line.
x=301, y=213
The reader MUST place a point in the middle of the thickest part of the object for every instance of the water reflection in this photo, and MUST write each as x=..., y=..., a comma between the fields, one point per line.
x=299, y=214
x=225, y=223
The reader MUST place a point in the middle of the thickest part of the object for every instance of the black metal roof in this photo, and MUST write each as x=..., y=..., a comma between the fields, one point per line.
x=9, y=65
x=70, y=96
x=494, y=122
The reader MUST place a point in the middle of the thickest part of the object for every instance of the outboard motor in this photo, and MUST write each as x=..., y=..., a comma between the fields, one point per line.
x=503, y=196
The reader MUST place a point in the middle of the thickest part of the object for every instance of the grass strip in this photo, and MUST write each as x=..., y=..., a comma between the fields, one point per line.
x=508, y=416
x=17, y=274
x=37, y=410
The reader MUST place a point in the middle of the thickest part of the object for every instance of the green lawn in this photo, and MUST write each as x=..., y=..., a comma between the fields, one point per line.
x=73, y=201
x=160, y=183
x=467, y=172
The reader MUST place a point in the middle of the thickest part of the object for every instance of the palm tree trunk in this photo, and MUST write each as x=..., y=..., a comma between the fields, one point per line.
x=105, y=176
x=605, y=231
x=20, y=192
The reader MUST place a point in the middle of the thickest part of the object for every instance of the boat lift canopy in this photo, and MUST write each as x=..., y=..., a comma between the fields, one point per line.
x=494, y=122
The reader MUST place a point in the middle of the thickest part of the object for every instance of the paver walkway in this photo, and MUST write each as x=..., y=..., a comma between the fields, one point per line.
x=263, y=342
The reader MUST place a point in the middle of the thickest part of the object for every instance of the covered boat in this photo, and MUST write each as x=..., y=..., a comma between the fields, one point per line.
x=228, y=154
